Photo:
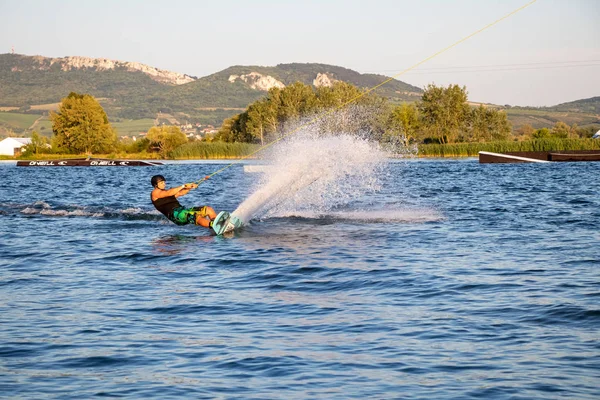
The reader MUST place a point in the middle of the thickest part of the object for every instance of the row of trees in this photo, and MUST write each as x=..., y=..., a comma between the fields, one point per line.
x=443, y=115
x=560, y=130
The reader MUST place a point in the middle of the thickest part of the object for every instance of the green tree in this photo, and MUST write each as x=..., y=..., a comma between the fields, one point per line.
x=404, y=122
x=486, y=124
x=134, y=146
x=38, y=144
x=262, y=119
x=81, y=125
x=525, y=131
x=339, y=94
x=574, y=132
x=444, y=112
x=585, y=133
x=560, y=130
x=225, y=133
x=295, y=101
x=167, y=138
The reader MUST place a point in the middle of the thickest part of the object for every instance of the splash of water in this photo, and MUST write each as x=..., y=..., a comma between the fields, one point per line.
x=317, y=173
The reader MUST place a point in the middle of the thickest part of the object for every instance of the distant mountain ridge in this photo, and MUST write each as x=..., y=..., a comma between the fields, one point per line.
x=135, y=90
x=591, y=105
x=130, y=90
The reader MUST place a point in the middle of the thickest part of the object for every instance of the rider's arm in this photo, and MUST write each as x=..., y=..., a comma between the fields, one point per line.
x=182, y=192
x=159, y=194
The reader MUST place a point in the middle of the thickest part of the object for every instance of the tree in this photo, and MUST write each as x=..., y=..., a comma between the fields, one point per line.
x=296, y=100
x=487, y=124
x=225, y=133
x=444, y=112
x=339, y=94
x=262, y=119
x=574, y=132
x=587, y=132
x=560, y=130
x=37, y=145
x=81, y=125
x=167, y=138
x=525, y=131
x=404, y=122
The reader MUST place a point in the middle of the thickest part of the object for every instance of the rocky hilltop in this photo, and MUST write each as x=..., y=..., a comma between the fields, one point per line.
x=258, y=81
x=103, y=64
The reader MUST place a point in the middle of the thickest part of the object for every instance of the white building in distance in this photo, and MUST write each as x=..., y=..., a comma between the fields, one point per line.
x=13, y=146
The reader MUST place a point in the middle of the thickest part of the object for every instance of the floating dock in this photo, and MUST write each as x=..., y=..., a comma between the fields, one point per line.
x=88, y=162
x=486, y=157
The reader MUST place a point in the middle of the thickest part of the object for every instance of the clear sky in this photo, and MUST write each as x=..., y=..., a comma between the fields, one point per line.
x=548, y=53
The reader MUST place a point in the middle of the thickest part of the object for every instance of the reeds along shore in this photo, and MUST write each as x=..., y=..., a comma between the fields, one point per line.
x=216, y=150
x=473, y=149
x=213, y=150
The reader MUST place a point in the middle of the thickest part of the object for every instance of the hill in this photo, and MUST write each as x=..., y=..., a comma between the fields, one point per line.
x=133, y=90
x=591, y=105
x=584, y=113
x=32, y=80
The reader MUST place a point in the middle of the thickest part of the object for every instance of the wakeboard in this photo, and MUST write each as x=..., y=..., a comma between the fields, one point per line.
x=225, y=222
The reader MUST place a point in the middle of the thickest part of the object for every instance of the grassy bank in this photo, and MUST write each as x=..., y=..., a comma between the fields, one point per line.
x=472, y=149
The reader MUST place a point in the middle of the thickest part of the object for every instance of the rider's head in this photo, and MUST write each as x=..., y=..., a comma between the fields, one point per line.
x=157, y=178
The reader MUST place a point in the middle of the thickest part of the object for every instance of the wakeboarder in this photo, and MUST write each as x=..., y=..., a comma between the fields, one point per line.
x=165, y=201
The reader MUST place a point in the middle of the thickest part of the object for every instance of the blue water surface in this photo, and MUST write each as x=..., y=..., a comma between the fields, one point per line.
x=498, y=298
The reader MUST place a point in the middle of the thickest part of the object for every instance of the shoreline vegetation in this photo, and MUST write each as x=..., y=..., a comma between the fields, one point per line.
x=441, y=124
x=234, y=151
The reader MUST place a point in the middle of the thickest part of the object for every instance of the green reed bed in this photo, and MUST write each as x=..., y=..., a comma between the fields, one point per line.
x=213, y=150
x=473, y=149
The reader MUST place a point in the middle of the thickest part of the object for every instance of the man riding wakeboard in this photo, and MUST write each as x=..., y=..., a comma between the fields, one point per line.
x=165, y=201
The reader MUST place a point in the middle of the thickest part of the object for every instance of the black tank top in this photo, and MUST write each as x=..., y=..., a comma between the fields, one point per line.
x=166, y=205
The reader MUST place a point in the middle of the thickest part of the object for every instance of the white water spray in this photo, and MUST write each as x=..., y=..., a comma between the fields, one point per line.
x=315, y=172
x=324, y=167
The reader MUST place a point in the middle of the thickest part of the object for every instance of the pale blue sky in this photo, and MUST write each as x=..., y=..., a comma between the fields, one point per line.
x=548, y=53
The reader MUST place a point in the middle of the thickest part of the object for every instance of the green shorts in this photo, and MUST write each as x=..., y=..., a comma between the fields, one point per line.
x=184, y=216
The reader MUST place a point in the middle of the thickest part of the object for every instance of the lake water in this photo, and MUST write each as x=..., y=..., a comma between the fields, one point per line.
x=444, y=279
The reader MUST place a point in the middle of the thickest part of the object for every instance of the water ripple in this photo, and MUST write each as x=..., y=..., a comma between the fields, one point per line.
x=455, y=280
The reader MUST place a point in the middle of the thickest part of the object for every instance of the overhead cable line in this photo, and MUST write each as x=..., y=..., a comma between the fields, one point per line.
x=500, y=67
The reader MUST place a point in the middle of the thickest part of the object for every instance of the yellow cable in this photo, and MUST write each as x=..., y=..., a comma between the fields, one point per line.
x=332, y=110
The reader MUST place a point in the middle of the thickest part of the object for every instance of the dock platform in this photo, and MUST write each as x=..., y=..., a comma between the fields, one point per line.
x=486, y=157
